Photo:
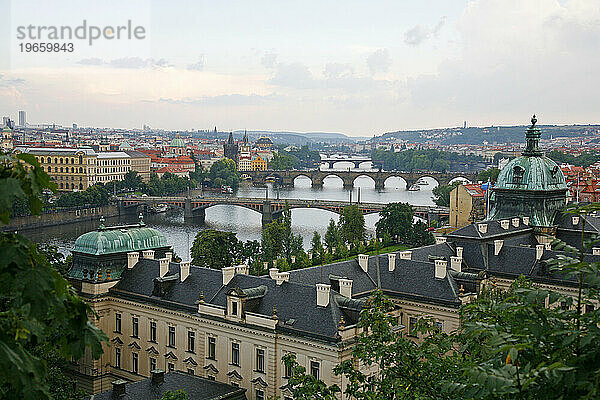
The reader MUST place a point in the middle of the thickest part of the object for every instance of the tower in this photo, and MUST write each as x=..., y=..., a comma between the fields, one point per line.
x=230, y=149
x=531, y=185
x=22, y=119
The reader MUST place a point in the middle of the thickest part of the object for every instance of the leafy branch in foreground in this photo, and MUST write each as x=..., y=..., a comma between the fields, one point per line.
x=37, y=305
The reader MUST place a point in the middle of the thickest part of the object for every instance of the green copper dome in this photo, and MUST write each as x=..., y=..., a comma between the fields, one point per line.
x=531, y=173
x=531, y=185
x=177, y=142
x=119, y=239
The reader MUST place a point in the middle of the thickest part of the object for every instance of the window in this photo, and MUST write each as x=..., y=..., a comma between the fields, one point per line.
x=152, y=363
x=234, y=308
x=118, y=322
x=171, y=336
x=564, y=306
x=437, y=326
x=260, y=394
x=260, y=360
x=134, y=327
x=191, y=341
x=134, y=363
x=212, y=348
x=171, y=367
x=235, y=353
x=287, y=371
x=118, y=357
x=412, y=326
x=153, y=331
x=589, y=308
x=190, y=371
x=314, y=369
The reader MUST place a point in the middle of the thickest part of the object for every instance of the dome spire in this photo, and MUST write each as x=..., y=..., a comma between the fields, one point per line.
x=533, y=138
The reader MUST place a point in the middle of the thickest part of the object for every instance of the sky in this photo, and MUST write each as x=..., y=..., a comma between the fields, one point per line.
x=354, y=67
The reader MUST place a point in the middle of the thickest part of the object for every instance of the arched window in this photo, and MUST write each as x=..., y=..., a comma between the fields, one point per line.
x=80, y=170
x=61, y=160
x=72, y=161
x=518, y=174
x=80, y=159
x=55, y=169
x=61, y=169
x=49, y=169
x=61, y=185
x=80, y=186
x=55, y=160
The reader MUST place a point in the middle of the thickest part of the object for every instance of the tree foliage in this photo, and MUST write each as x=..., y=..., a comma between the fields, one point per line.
x=38, y=306
x=490, y=174
x=421, y=160
x=278, y=240
x=224, y=173
x=352, y=224
x=441, y=194
x=215, y=249
x=585, y=159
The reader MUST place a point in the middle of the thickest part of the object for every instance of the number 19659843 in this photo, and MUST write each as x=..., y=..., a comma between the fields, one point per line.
x=46, y=47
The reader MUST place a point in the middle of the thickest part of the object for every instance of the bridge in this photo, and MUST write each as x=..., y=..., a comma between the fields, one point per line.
x=286, y=178
x=271, y=209
x=355, y=160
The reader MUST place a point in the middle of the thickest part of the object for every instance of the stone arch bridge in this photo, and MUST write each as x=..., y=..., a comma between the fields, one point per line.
x=286, y=178
x=270, y=209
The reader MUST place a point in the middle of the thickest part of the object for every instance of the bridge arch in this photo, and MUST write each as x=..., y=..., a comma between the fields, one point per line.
x=399, y=179
x=461, y=179
x=370, y=178
x=430, y=180
x=330, y=175
x=302, y=176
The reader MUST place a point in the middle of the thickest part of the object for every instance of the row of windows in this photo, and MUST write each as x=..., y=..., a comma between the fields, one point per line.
x=112, y=162
x=66, y=169
x=211, y=353
x=78, y=160
x=135, y=362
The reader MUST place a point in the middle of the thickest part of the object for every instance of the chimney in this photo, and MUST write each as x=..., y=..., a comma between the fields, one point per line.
x=149, y=254
x=118, y=389
x=391, y=261
x=273, y=272
x=456, y=263
x=440, y=239
x=132, y=259
x=184, y=270
x=228, y=274
x=596, y=251
x=575, y=219
x=440, y=268
x=169, y=255
x=293, y=259
x=515, y=222
x=482, y=228
x=346, y=287
x=282, y=277
x=406, y=255
x=158, y=376
x=548, y=246
x=164, y=266
x=505, y=224
x=539, y=251
x=526, y=220
x=498, y=246
x=459, y=252
x=323, y=294
x=363, y=261
x=241, y=269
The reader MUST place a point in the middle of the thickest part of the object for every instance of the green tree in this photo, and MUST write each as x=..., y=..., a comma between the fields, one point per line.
x=317, y=245
x=332, y=235
x=490, y=174
x=38, y=305
x=352, y=224
x=282, y=161
x=132, y=180
x=224, y=172
x=215, y=249
x=279, y=241
x=396, y=219
x=441, y=194
x=420, y=235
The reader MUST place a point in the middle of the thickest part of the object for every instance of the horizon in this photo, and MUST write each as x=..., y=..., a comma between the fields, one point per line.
x=369, y=70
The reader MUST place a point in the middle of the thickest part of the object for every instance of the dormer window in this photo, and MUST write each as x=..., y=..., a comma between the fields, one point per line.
x=518, y=175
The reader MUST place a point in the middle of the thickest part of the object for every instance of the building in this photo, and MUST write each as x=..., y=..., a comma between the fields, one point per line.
x=175, y=170
x=230, y=149
x=159, y=383
x=7, y=142
x=245, y=155
x=531, y=185
x=112, y=166
x=258, y=163
x=140, y=163
x=177, y=146
x=264, y=143
x=22, y=119
x=71, y=169
x=467, y=205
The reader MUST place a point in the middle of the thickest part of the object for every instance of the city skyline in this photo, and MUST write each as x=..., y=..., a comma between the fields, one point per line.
x=361, y=71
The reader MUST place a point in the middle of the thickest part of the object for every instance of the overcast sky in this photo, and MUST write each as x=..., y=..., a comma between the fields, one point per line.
x=356, y=67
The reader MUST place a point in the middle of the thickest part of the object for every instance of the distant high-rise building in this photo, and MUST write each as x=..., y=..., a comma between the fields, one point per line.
x=5, y=121
x=22, y=118
x=465, y=124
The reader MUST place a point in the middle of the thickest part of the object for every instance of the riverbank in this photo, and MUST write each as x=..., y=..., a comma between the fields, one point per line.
x=63, y=217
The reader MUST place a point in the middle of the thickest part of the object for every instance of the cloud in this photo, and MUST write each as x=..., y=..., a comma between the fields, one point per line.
x=125, y=62
x=379, y=61
x=227, y=100
x=199, y=65
x=420, y=33
x=338, y=71
x=5, y=82
x=295, y=75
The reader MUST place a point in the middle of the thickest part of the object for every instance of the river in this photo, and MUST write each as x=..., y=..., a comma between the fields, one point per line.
x=247, y=223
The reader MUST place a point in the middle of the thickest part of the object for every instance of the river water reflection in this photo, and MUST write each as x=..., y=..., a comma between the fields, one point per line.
x=247, y=223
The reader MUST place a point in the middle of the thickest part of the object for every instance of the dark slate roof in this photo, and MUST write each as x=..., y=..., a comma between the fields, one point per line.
x=361, y=282
x=494, y=230
x=565, y=222
x=196, y=388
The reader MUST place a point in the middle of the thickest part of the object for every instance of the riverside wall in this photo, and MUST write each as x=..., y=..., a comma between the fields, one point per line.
x=62, y=217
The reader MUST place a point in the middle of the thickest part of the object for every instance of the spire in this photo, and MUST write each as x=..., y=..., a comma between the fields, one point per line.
x=230, y=140
x=533, y=139
x=245, y=137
